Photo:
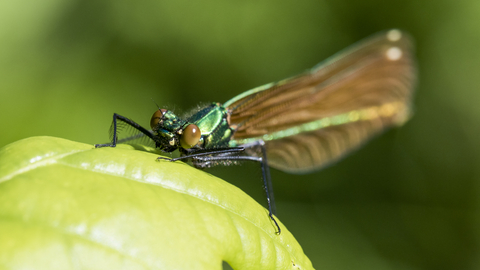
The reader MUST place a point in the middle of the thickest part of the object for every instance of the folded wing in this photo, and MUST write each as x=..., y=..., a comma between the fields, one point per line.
x=314, y=119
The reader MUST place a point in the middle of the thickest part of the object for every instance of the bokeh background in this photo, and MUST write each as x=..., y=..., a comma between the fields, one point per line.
x=407, y=200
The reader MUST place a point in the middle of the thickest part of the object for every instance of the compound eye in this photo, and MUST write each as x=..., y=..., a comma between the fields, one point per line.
x=190, y=136
x=157, y=118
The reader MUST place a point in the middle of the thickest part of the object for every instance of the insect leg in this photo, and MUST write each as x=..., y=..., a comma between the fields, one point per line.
x=267, y=180
x=206, y=152
x=267, y=183
x=128, y=122
x=225, y=154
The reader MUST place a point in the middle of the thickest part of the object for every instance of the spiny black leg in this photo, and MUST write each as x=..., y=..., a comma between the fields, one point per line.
x=266, y=178
x=114, y=140
x=128, y=122
x=267, y=185
x=206, y=152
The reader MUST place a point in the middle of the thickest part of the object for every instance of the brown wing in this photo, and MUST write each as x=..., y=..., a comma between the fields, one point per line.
x=314, y=119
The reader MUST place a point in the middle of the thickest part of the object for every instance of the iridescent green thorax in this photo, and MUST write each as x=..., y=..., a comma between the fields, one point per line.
x=212, y=121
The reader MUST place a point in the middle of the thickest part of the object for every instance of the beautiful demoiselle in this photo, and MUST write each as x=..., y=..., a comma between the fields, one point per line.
x=300, y=124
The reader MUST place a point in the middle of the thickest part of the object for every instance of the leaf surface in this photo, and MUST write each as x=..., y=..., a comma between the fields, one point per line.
x=67, y=205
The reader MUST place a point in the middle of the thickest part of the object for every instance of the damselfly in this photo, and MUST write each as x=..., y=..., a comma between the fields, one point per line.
x=300, y=124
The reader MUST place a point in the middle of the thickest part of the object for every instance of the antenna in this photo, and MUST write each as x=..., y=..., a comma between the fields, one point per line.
x=155, y=103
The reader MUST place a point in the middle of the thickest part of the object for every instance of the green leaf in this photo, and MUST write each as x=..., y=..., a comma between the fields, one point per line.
x=67, y=205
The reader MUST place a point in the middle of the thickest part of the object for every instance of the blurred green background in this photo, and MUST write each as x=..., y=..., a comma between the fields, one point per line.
x=407, y=200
